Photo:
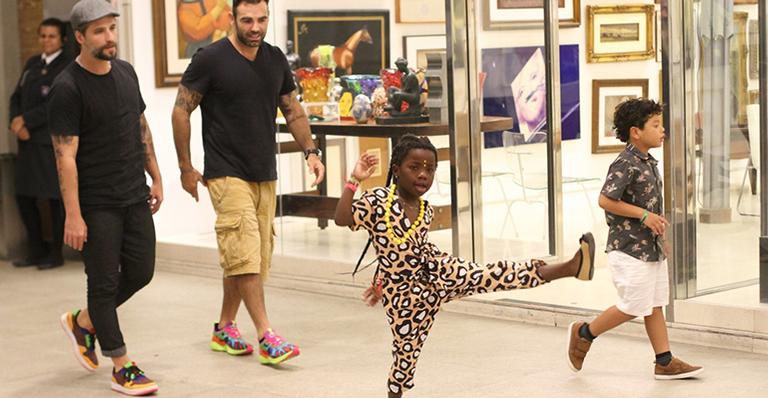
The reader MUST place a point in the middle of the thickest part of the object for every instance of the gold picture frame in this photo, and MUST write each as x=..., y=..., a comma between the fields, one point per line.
x=616, y=90
x=629, y=26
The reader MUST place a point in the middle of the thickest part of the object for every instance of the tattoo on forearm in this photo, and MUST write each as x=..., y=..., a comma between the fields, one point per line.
x=60, y=143
x=291, y=108
x=146, y=139
x=187, y=99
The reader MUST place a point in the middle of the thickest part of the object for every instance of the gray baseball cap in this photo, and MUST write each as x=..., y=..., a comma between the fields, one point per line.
x=87, y=11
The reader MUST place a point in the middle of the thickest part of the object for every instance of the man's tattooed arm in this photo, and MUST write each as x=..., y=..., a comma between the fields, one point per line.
x=186, y=102
x=65, y=148
x=297, y=121
x=150, y=163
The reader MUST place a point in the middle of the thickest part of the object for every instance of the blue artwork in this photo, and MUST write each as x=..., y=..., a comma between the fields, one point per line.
x=515, y=86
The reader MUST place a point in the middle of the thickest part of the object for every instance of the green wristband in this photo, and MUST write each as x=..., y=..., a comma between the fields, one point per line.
x=645, y=215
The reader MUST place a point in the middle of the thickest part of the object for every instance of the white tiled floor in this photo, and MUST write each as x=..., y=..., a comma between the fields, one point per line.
x=345, y=349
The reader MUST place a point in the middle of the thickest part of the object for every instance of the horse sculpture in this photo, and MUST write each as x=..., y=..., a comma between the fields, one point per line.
x=342, y=57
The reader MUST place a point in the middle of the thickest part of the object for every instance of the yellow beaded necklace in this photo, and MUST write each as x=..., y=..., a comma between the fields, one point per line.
x=388, y=209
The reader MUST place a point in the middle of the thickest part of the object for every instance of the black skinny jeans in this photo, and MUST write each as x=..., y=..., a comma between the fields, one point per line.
x=119, y=259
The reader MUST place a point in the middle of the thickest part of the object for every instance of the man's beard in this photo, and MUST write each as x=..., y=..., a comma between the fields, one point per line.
x=102, y=55
x=244, y=40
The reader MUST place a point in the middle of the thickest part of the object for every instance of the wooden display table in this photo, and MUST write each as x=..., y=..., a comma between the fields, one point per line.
x=317, y=204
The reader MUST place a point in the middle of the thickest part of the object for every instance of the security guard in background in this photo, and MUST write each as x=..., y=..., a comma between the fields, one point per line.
x=36, y=176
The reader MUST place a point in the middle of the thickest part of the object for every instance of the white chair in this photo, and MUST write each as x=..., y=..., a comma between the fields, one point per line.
x=753, y=125
x=527, y=168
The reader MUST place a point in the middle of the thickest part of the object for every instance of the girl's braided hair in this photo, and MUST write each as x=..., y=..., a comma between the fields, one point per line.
x=406, y=144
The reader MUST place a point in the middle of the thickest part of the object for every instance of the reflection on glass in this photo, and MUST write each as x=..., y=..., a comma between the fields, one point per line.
x=727, y=201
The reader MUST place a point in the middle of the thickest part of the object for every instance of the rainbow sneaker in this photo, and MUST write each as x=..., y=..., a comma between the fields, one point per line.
x=273, y=350
x=83, y=341
x=227, y=339
x=131, y=380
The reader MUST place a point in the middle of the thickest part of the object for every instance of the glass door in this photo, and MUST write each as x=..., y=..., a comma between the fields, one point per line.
x=717, y=189
x=516, y=139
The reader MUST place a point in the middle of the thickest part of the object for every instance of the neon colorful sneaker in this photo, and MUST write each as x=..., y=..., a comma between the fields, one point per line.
x=83, y=341
x=227, y=339
x=273, y=350
x=130, y=380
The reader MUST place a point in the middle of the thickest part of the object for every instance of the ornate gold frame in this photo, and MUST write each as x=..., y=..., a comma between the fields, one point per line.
x=649, y=53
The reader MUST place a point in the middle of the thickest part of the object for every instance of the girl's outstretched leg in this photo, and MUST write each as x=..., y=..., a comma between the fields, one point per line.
x=462, y=278
x=581, y=265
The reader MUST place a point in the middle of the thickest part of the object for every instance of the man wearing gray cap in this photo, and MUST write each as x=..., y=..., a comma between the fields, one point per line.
x=103, y=146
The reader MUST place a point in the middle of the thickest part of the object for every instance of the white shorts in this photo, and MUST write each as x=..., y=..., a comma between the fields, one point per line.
x=641, y=285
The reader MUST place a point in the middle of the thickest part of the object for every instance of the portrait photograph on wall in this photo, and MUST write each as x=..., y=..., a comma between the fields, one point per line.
x=526, y=14
x=181, y=27
x=349, y=42
x=606, y=95
x=515, y=86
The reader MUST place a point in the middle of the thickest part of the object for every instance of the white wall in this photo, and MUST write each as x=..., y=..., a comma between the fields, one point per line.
x=179, y=213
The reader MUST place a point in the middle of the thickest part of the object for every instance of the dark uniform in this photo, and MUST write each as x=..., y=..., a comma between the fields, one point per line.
x=36, y=176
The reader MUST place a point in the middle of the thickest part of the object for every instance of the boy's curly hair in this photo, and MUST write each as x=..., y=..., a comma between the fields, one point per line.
x=634, y=112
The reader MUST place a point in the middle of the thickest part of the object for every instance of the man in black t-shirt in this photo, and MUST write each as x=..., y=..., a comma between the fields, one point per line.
x=239, y=82
x=103, y=146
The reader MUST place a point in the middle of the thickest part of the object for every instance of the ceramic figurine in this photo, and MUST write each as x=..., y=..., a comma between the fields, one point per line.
x=361, y=109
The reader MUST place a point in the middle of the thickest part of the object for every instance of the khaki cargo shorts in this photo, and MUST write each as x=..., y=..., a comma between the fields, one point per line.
x=244, y=232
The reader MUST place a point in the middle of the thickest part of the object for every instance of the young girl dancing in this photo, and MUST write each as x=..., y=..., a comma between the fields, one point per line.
x=414, y=277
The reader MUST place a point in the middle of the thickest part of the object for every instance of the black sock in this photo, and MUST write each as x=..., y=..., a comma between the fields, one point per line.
x=585, y=333
x=664, y=358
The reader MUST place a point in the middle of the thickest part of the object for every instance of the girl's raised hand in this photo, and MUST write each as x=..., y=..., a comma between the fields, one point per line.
x=365, y=166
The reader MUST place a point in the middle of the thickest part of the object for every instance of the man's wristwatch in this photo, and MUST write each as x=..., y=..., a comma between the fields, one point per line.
x=315, y=151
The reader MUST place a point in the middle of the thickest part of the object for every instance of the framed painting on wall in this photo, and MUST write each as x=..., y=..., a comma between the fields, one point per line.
x=416, y=48
x=180, y=29
x=348, y=41
x=606, y=95
x=420, y=11
x=754, y=50
x=515, y=86
x=525, y=14
x=620, y=33
x=738, y=68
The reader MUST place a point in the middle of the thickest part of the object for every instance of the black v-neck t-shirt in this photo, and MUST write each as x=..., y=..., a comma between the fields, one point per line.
x=239, y=106
x=105, y=112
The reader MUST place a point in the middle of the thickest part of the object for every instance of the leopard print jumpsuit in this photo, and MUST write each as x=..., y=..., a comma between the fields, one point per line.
x=417, y=278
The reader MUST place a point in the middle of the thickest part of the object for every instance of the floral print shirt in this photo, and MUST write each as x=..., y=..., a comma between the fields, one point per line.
x=634, y=178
